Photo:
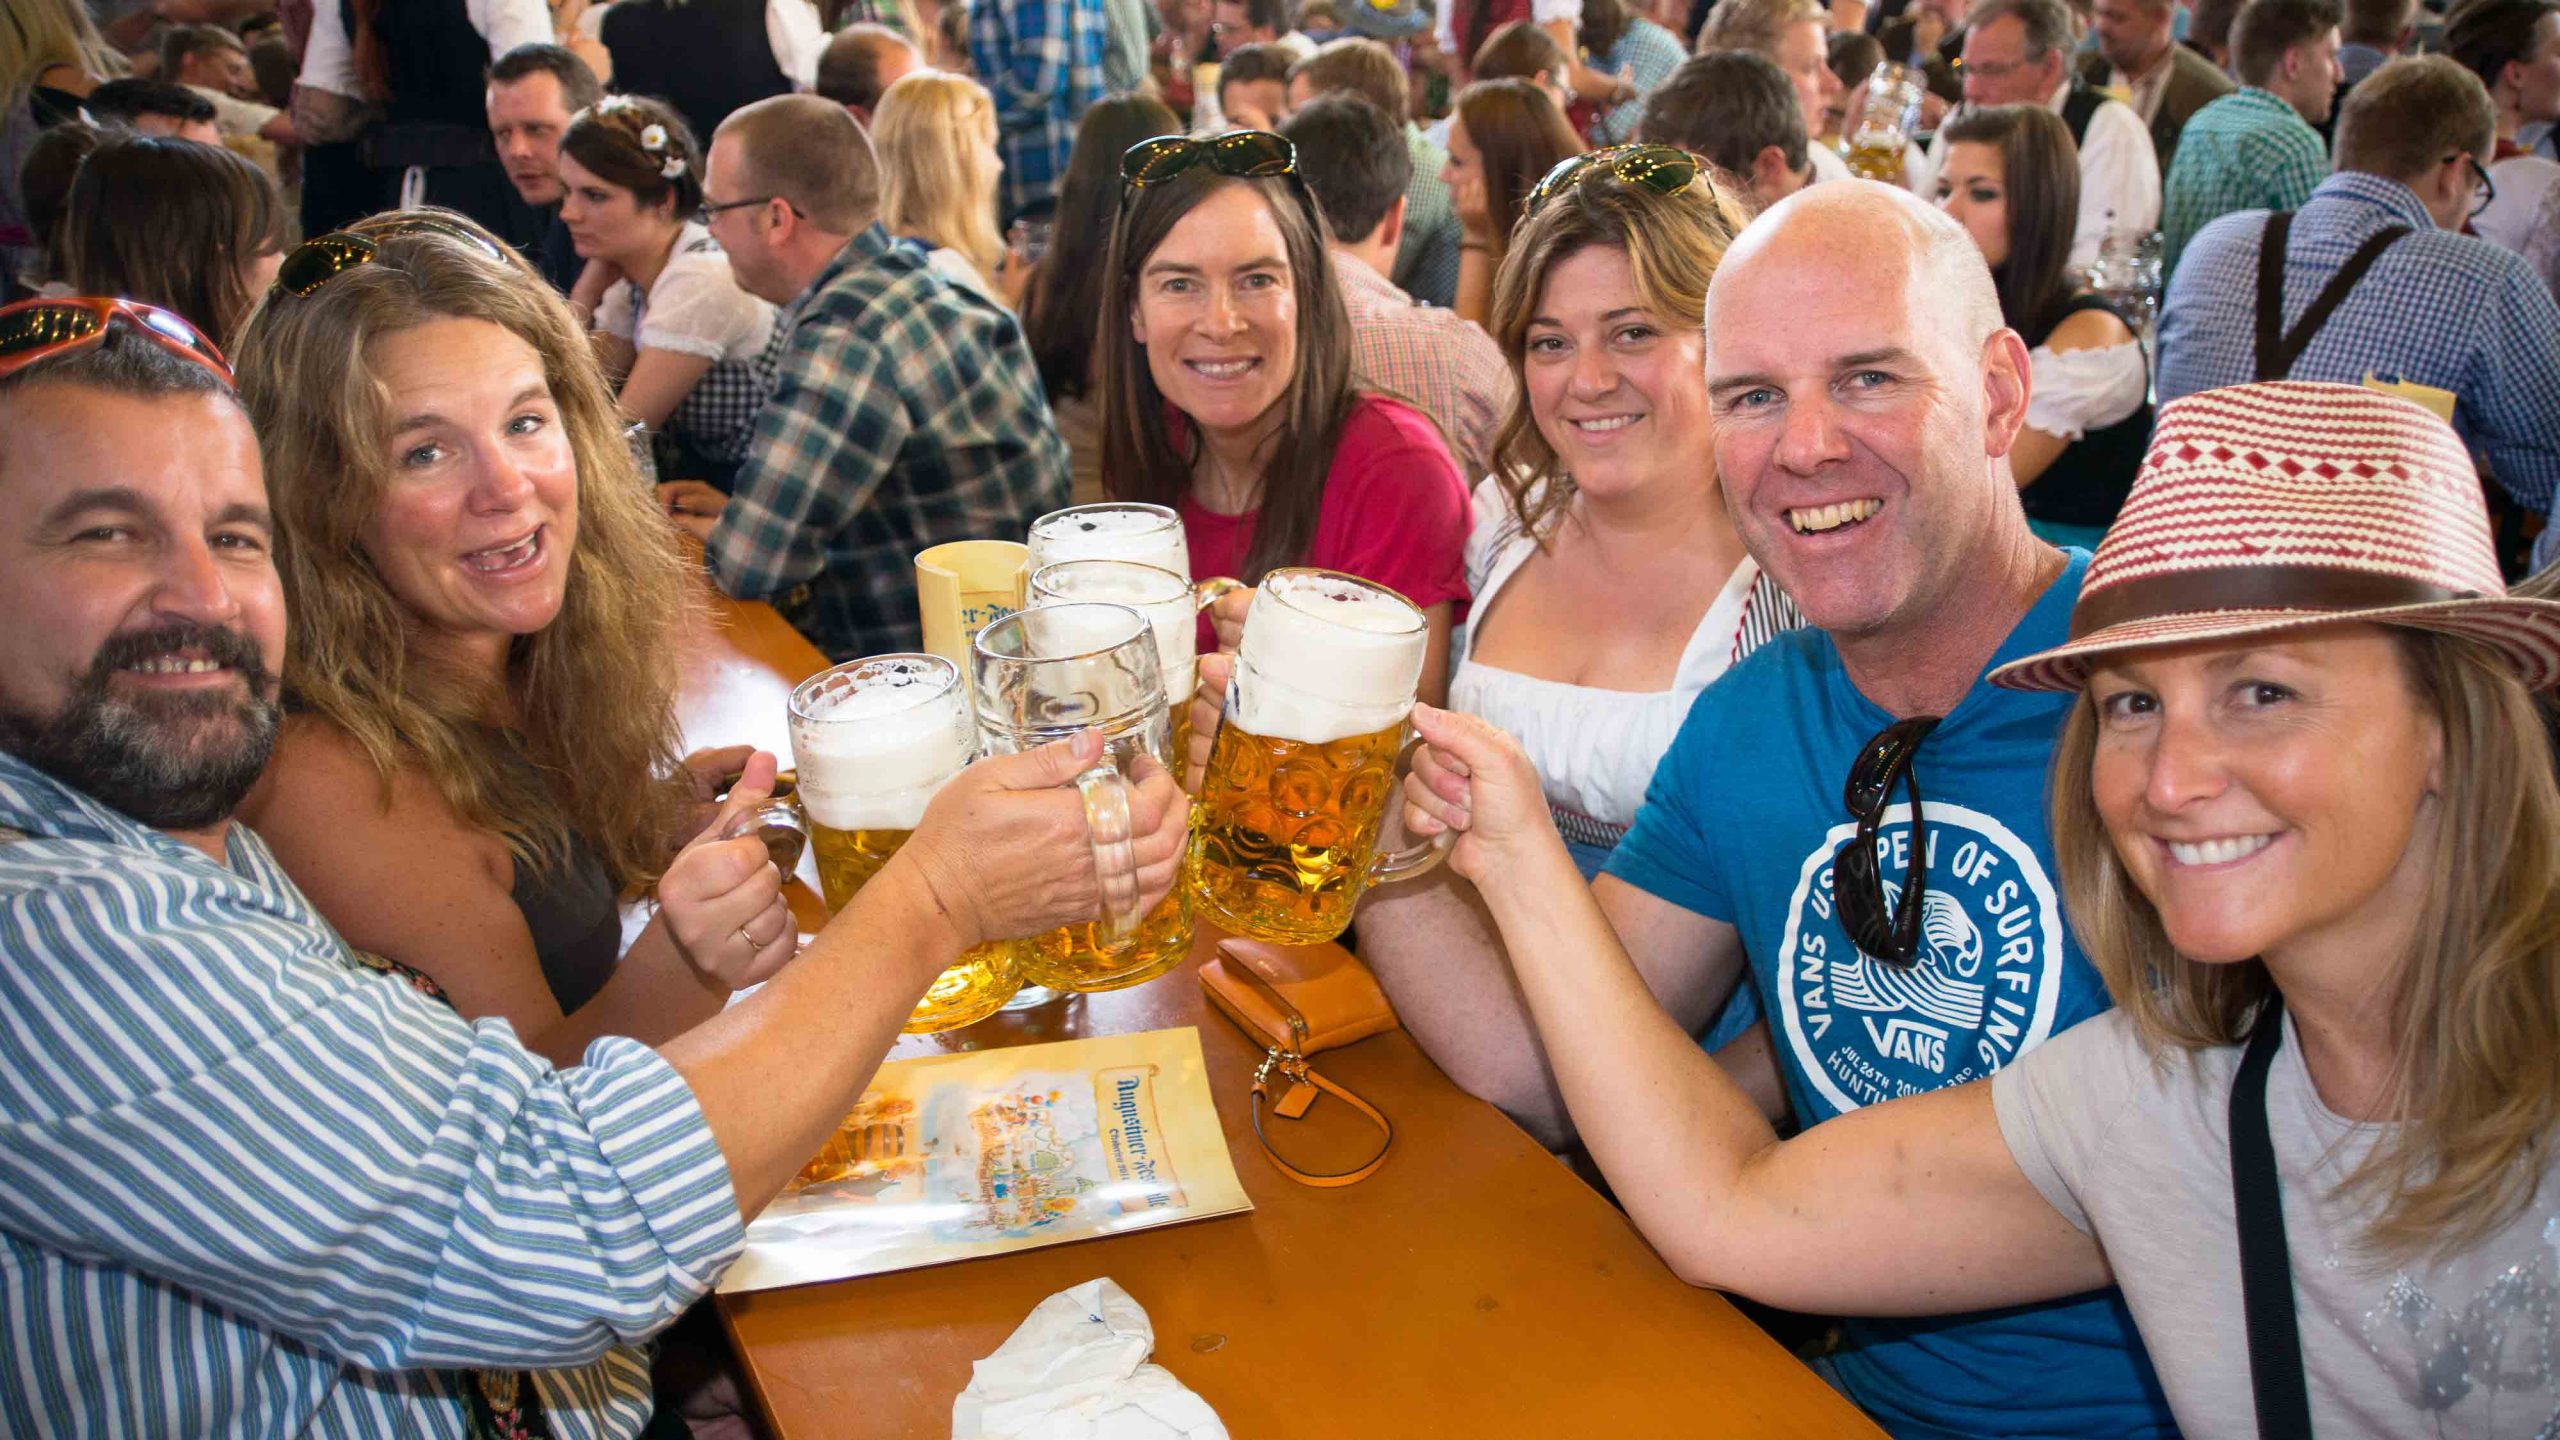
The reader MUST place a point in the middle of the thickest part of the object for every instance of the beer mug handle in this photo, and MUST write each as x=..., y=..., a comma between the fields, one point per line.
x=1413, y=860
x=1115, y=856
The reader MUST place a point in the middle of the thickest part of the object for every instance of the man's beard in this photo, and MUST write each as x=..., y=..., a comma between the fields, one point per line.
x=169, y=761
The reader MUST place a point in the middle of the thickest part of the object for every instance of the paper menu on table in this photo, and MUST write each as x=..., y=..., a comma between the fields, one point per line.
x=952, y=1157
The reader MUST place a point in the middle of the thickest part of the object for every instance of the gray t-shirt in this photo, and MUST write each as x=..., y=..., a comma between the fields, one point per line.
x=2136, y=1152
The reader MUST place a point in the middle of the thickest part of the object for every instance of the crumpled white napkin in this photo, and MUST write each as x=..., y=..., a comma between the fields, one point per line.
x=1077, y=1369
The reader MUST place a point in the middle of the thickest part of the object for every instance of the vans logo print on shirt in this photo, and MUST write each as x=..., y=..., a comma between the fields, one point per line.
x=1982, y=991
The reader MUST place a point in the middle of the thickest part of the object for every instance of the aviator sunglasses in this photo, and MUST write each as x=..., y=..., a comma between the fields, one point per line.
x=323, y=258
x=1875, y=924
x=1242, y=153
x=34, y=330
x=1658, y=168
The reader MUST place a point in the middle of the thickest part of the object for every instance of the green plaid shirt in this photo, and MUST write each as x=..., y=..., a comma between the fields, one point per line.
x=2245, y=151
x=905, y=412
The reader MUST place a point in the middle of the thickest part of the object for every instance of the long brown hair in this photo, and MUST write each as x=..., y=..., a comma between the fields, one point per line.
x=1519, y=135
x=593, y=691
x=1140, y=460
x=171, y=222
x=1673, y=244
x=2040, y=187
x=2476, y=1002
x=1060, y=314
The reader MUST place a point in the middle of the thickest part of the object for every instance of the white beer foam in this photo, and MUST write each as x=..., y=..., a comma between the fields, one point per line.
x=1329, y=662
x=874, y=758
x=1101, y=533
x=1176, y=621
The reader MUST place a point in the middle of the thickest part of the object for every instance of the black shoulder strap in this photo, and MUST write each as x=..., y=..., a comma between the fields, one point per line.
x=2266, y=1263
x=2278, y=347
x=2079, y=106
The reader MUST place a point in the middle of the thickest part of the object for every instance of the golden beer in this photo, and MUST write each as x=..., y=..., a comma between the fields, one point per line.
x=973, y=988
x=1284, y=832
x=871, y=742
x=1882, y=161
x=1074, y=958
x=1068, y=664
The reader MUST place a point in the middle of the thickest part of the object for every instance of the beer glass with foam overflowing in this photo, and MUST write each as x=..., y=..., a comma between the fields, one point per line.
x=872, y=741
x=1163, y=596
x=1041, y=675
x=1284, y=833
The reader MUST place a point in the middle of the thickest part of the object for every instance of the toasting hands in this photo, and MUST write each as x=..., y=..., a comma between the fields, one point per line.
x=1006, y=851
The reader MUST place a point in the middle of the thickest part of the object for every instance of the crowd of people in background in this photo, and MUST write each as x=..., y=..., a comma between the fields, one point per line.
x=1741, y=390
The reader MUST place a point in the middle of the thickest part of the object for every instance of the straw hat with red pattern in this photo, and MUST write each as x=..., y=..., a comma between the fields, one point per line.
x=2268, y=508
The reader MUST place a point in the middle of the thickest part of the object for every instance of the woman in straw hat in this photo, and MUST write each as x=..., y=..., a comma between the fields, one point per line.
x=2308, y=832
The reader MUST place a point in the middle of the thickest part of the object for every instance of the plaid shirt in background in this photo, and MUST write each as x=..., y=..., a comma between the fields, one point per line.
x=2248, y=150
x=2449, y=311
x=1042, y=60
x=1427, y=257
x=1440, y=361
x=907, y=412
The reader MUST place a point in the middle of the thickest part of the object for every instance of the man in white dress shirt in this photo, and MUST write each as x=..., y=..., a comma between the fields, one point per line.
x=2018, y=52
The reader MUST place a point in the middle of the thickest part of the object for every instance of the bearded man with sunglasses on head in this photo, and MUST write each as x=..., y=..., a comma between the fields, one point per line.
x=253, y=1185
x=1903, y=936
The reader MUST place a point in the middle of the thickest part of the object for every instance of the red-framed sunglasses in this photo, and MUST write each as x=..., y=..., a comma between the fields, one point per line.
x=34, y=330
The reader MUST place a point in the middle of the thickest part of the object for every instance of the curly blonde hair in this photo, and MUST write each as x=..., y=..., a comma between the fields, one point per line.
x=2476, y=1085
x=935, y=133
x=593, y=692
x=1673, y=244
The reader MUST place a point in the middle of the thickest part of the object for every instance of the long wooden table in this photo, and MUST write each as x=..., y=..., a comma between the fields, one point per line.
x=1473, y=1286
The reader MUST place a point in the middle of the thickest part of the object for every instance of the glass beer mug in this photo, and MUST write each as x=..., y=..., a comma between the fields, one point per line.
x=872, y=741
x=1163, y=596
x=1284, y=833
x=1888, y=123
x=1042, y=674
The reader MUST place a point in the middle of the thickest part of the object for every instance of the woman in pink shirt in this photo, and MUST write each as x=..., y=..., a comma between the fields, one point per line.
x=1227, y=393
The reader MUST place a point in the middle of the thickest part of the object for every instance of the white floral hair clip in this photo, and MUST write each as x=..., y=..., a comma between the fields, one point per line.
x=672, y=167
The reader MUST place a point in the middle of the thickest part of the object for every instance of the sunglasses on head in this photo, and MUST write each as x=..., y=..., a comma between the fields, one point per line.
x=1875, y=924
x=1658, y=168
x=1241, y=153
x=34, y=330
x=323, y=258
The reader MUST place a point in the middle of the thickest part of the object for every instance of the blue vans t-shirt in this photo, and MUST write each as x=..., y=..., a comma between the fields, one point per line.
x=1740, y=824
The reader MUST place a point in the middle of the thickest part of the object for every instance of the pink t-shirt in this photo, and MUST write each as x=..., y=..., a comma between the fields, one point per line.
x=1395, y=511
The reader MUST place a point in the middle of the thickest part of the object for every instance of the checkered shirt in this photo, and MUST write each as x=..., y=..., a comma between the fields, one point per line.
x=718, y=415
x=1444, y=364
x=2451, y=311
x=1042, y=60
x=1647, y=54
x=2245, y=151
x=1427, y=258
x=906, y=412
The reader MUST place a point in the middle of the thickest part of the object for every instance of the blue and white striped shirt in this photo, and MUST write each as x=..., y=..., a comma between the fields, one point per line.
x=250, y=1188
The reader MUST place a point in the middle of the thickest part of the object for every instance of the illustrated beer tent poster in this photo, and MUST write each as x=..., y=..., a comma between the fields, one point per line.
x=951, y=1157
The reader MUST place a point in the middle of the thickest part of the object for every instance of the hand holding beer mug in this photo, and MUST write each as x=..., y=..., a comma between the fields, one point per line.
x=722, y=894
x=873, y=740
x=1473, y=785
x=1285, y=831
x=1048, y=672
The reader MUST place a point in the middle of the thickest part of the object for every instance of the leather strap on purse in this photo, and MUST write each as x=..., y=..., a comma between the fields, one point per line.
x=1268, y=990
x=1304, y=1082
x=2266, y=1262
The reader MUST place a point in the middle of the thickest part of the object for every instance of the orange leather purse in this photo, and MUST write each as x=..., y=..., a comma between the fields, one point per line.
x=1297, y=1001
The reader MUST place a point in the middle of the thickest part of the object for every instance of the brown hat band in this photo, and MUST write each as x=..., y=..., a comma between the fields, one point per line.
x=2251, y=587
